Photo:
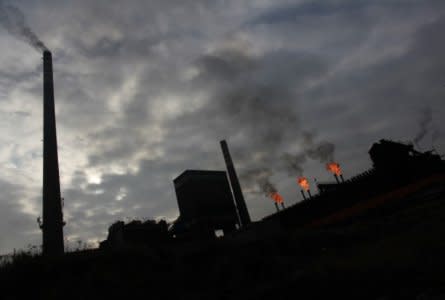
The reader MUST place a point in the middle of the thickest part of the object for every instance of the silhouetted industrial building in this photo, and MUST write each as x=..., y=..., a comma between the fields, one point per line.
x=136, y=234
x=52, y=226
x=400, y=176
x=205, y=204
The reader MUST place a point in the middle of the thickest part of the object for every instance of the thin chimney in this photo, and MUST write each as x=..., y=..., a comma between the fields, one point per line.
x=52, y=226
x=302, y=193
x=336, y=178
x=236, y=188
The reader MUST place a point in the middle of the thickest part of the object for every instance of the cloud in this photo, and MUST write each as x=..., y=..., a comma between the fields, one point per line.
x=12, y=216
x=144, y=90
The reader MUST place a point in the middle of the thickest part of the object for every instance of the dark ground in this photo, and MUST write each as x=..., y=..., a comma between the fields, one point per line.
x=398, y=255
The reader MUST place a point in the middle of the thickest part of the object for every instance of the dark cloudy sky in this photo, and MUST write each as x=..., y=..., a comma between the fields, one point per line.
x=147, y=89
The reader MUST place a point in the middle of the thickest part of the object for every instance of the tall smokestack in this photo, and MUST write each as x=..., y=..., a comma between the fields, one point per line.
x=52, y=226
x=234, y=182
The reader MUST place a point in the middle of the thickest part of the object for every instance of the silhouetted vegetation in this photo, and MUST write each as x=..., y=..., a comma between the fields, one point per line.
x=399, y=255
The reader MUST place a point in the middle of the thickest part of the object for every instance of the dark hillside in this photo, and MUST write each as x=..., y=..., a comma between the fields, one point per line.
x=397, y=255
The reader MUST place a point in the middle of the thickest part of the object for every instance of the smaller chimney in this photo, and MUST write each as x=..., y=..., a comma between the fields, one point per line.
x=336, y=178
x=302, y=193
x=236, y=187
x=276, y=206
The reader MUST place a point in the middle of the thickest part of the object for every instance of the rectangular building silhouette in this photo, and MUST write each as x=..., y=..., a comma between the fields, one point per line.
x=205, y=202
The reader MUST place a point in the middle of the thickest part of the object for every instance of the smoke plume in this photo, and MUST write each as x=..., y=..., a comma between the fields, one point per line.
x=257, y=94
x=434, y=136
x=13, y=20
x=260, y=177
x=294, y=163
x=322, y=151
x=267, y=186
x=424, y=125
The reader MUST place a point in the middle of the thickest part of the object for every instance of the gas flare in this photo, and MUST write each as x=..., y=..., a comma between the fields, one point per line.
x=302, y=181
x=276, y=197
x=334, y=168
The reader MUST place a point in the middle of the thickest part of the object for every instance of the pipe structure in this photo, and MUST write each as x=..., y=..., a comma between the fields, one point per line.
x=336, y=178
x=309, y=193
x=243, y=213
x=52, y=226
x=276, y=206
x=302, y=193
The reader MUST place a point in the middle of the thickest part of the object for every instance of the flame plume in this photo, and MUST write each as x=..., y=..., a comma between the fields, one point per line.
x=276, y=197
x=303, y=182
x=334, y=168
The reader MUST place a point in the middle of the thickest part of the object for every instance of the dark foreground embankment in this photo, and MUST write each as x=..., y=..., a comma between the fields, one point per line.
x=397, y=256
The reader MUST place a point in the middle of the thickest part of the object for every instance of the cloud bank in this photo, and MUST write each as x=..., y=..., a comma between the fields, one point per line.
x=147, y=89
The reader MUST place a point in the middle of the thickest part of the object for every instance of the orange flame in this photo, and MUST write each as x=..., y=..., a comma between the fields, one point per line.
x=334, y=168
x=276, y=197
x=302, y=181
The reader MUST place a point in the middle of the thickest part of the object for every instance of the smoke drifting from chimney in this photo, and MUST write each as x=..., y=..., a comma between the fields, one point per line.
x=322, y=151
x=267, y=186
x=13, y=20
x=252, y=91
x=294, y=163
x=434, y=136
x=424, y=125
x=260, y=177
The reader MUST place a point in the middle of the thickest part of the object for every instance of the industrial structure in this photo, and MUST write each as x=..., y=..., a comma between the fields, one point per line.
x=401, y=176
x=205, y=204
x=52, y=226
x=136, y=234
x=243, y=213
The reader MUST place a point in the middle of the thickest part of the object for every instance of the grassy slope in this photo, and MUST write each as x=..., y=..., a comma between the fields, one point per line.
x=398, y=255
